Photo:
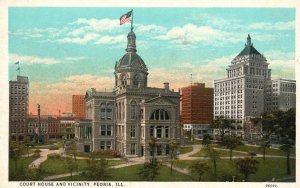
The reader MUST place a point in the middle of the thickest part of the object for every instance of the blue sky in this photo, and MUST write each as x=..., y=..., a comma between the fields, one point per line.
x=65, y=51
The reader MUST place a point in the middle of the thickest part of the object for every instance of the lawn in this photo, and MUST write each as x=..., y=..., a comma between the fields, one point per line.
x=268, y=169
x=186, y=149
x=58, y=166
x=258, y=150
x=22, y=163
x=203, y=153
x=130, y=173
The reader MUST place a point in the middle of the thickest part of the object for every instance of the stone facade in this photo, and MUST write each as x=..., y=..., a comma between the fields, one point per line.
x=128, y=117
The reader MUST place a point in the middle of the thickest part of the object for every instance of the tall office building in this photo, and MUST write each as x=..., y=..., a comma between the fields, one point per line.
x=248, y=90
x=18, y=108
x=78, y=107
x=242, y=94
x=197, y=108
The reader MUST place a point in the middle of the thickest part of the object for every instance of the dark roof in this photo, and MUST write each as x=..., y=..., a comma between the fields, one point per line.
x=129, y=58
x=249, y=49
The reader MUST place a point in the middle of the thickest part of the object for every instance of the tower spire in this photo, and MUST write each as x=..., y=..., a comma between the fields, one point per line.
x=248, y=40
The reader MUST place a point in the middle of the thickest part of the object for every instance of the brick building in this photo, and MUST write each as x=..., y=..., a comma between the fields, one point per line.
x=78, y=106
x=197, y=108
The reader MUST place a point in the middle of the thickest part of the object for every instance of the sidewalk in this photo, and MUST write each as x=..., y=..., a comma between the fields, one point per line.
x=43, y=157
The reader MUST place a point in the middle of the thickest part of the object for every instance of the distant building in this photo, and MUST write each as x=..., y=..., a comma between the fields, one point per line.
x=197, y=108
x=127, y=118
x=66, y=128
x=45, y=125
x=283, y=94
x=18, y=108
x=78, y=107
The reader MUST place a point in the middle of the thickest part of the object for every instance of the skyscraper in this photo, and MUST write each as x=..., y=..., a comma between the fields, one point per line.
x=18, y=108
x=241, y=95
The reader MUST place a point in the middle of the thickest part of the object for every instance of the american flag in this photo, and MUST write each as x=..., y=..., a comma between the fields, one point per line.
x=125, y=18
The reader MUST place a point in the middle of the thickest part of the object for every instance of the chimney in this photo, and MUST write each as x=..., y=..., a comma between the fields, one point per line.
x=166, y=86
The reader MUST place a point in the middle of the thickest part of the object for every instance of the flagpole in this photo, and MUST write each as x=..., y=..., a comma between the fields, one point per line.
x=131, y=19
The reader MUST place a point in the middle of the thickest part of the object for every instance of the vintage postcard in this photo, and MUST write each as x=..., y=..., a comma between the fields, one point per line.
x=176, y=93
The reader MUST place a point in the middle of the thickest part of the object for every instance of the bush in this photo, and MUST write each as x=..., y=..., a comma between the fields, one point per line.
x=107, y=153
x=36, y=153
x=54, y=148
x=54, y=156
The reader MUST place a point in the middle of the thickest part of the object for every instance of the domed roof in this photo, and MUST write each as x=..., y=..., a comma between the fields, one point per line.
x=131, y=60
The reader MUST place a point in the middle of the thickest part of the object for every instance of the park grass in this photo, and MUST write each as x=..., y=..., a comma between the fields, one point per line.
x=267, y=170
x=130, y=173
x=258, y=150
x=55, y=166
x=203, y=153
x=22, y=163
x=186, y=149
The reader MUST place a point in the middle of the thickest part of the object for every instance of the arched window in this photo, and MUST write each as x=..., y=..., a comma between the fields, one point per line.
x=133, y=110
x=136, y=81
x=159, y=115
x=124, y=80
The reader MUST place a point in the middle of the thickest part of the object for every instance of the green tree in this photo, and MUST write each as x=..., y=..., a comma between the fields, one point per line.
x=265, y=127
x=149, y=170
x=231, y=142
x=214, y=156
x=73, y=149
x=173, y=154
x=222, y=125
x=247, y=166
x=71, y=165
x=15, y=153
x=97, y=169
x=287, y=148
x=152, y=145
x=287, y=132
x=199, y=169
x=206, y=140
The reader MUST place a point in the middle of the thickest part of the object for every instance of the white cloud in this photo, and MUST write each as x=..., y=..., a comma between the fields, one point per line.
x=32, y=59
x=192, y=34
x=80, y=40
x=98, y=25
x=273, y=26
x=149, y=28
x=111, y=39
x=75, y=58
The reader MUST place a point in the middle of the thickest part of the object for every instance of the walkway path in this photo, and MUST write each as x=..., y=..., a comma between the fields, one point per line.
x=186, y=156
x=196, y=149
x=43, y=157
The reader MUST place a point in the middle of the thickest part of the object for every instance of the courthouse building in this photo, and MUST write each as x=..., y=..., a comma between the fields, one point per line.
x=128, y=117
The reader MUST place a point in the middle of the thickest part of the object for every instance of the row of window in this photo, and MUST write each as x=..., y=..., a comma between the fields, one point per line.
x=159, y=131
